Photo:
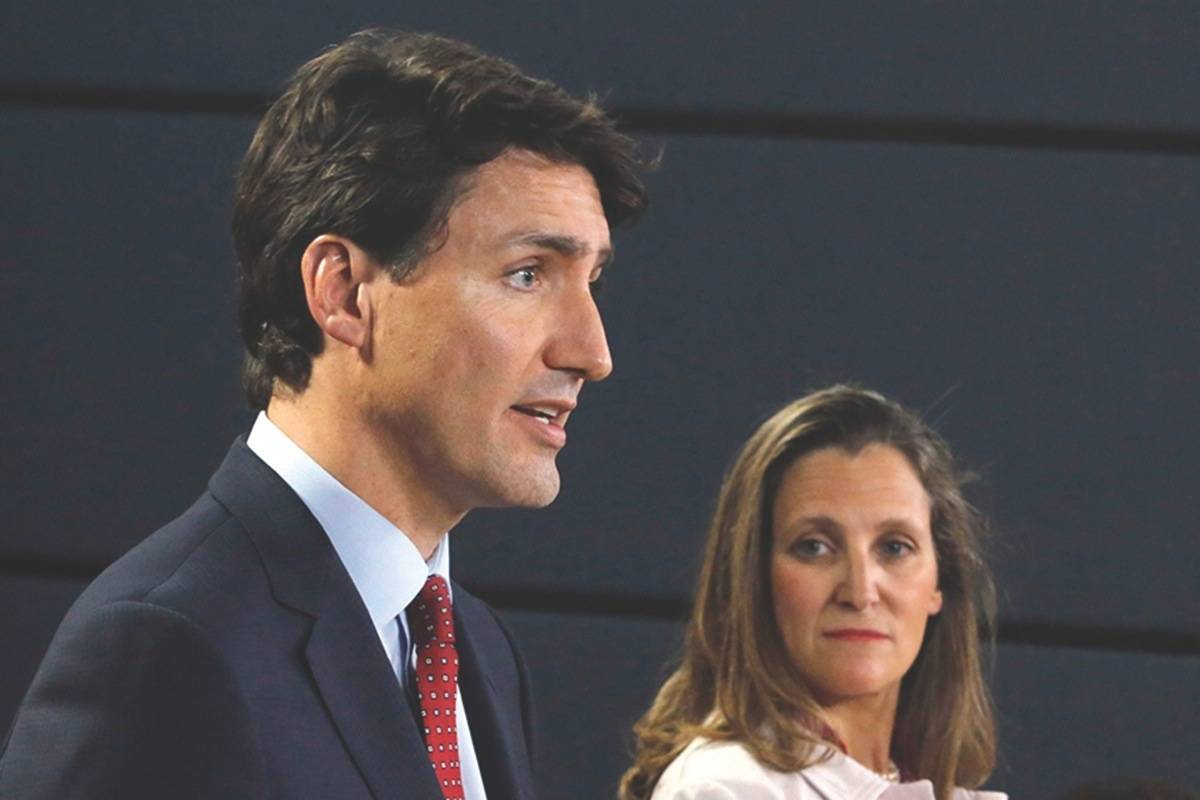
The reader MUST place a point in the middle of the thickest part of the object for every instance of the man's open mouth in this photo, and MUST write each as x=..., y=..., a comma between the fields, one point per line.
x=537, y=413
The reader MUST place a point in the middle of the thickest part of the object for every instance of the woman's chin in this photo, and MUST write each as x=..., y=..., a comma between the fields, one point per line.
x=852, y=682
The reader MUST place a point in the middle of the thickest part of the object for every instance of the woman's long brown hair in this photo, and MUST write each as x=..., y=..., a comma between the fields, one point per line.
x=735, y=681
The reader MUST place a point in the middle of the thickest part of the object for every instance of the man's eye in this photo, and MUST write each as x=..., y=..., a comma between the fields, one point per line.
x=524, y=278
x=597, y=285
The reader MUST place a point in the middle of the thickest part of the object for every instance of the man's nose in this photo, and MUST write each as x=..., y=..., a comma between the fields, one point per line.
x=859, y=588
x=579, y=343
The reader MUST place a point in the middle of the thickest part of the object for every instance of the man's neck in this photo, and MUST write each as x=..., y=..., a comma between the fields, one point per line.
x=354, y=458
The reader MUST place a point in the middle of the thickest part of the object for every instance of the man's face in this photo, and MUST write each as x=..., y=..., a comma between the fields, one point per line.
x=478, y=357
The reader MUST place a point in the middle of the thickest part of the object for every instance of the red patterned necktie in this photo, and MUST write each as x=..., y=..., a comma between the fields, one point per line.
x=431, y=622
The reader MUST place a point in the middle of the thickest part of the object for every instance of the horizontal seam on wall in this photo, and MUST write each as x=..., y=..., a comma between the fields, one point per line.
x=883, y=129
x=658, y=608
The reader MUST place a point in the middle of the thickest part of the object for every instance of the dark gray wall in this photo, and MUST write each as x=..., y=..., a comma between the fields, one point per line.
x=987, y=213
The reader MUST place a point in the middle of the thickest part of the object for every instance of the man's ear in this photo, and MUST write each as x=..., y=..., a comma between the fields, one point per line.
x=333, y=270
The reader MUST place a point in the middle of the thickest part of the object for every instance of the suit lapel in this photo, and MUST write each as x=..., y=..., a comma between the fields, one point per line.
x=365, y=701
x=497, y=727
x=348, y=665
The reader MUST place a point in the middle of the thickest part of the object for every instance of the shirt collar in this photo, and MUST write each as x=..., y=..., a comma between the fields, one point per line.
x=384, y=564
x=839, y=775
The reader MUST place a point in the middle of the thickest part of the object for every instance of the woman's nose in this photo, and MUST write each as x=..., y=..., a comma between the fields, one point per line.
x=859, y=588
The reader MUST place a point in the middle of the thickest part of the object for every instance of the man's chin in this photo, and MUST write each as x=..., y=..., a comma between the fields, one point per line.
x=537, y=495
x=535, y=488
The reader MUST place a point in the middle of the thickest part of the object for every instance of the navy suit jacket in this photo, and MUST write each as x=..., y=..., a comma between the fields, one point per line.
x=230, y=656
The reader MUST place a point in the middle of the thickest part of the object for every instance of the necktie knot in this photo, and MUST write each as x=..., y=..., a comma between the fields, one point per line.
x=432, y=616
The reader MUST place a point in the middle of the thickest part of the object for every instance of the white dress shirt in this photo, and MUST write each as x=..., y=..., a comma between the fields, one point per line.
x=384, y=564
x=708, y=770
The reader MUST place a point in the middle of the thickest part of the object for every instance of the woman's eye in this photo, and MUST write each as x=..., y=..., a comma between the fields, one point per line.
x=524, y=278
x=810, y=548
x=896, y=548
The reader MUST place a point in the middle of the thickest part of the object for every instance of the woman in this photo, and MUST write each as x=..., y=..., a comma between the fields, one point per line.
x=833, y=649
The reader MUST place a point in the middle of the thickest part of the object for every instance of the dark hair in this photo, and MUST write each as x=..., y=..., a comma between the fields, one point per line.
x=736, y=682
x=374, y=140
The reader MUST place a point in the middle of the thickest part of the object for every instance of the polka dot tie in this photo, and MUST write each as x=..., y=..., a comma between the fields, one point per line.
x=431, y=621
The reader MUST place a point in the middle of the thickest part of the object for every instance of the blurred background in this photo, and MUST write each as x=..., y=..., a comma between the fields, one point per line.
x=987, y=211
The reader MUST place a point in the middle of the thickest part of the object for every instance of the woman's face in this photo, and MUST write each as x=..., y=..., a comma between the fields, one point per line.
x=853, y=570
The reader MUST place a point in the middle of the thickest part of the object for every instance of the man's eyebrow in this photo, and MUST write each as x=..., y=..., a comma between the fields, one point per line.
x=564, y=245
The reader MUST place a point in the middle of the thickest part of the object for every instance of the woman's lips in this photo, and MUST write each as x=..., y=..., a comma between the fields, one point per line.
x=856, y=635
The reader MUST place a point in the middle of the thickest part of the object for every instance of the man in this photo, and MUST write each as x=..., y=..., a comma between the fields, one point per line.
x=419, y=227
